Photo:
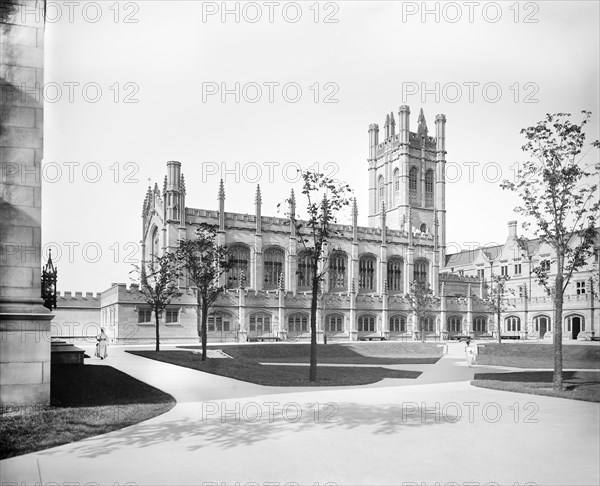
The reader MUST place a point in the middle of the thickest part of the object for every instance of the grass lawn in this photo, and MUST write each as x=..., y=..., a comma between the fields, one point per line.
x=579, y=385
x=249, y=369
x=526, y=355
x=86, y=400
x=356, y=353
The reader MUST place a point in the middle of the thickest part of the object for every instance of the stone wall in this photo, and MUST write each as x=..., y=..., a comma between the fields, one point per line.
x=24, y=322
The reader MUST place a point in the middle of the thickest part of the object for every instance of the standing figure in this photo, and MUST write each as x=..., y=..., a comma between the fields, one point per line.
x=470, y=353
x=102, y=344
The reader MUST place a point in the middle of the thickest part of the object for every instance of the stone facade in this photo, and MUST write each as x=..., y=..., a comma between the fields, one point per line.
x=370, y=268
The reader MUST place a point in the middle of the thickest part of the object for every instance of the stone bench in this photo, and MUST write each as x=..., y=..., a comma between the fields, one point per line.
x=371, y=338
x=262, y=339
x=65, y=353
x=510, y=337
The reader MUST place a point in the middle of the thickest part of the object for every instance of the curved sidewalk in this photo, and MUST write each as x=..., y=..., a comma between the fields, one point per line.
x=226, y=431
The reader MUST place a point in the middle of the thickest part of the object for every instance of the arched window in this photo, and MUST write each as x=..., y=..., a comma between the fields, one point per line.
x=423, y=228
x=429, y=188
x=260, y=323
x=273, y=266
x=380, y=188
x=155, y=248
x=366, y=273
x=398, y=323
x=337, y=271
x=239, y=256
x=395, y=280
x=480, y=324
x=334, y=323
x=218, y=322
x=454, y=324
x=512, y=324
x=428, y=324
x=413, y=176
x=306, y=271
x=298, y=323
x=366, y=323
x=396, y=186
x=421, y=270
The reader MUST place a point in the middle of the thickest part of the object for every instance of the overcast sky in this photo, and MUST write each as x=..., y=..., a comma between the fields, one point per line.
x=325, y=72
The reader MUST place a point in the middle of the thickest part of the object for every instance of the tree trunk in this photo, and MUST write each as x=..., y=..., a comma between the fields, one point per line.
x=498, y=316
x=558, y=311
x=312, y=374
x=157, y=331
x=204, y=326
x=421, y=328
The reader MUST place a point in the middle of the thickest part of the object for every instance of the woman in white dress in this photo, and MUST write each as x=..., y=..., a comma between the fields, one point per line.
x=102, y=345
x=470, y=353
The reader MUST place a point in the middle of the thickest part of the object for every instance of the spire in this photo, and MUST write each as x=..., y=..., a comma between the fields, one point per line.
x=182, y=184
x=258, y=197
x=354, y=221
x=164, y=186
x=422, y=125
x=221, y=195
x=258, y=204
x=392, y=124
x=221, y=199
x=292, y=202
x=383, y=224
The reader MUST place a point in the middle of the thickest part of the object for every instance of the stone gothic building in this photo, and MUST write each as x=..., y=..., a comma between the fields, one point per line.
x=370, y=268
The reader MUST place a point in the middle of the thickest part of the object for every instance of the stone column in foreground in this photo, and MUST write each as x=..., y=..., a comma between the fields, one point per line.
x=24, y=321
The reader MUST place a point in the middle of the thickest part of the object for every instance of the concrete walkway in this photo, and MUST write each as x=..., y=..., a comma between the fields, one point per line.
x=425, y=431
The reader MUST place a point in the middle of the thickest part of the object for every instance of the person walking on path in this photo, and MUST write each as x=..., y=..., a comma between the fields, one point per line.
x=470, y=353
x=102, y=345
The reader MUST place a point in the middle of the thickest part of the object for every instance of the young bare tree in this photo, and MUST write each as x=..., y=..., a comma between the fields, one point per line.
x=423, y=304
x=497, y=299
x=325, y=198
x=204, y=261
x=158, y=285
x=559, y=197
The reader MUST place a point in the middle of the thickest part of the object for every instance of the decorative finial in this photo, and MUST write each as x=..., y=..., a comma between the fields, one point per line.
x=281, y=282
x=182, y=183
x=292, y=202
x=242, y=278
x=221, y=190
x=165, y=185
x=258, y=198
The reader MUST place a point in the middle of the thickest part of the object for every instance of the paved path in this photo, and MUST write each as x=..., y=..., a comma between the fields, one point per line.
x=425, y=431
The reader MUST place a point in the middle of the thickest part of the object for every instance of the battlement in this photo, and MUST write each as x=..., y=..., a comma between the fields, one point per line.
x=77, y=299
x=454, y=277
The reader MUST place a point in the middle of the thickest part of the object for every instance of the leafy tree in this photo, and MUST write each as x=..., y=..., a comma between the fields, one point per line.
x=325, y=198
x=204, y=262
x=560, y=202
x=158, y=285
x=497, y=299
x=423, y=304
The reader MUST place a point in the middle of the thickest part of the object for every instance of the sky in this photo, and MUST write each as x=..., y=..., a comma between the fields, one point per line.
x=247, y=91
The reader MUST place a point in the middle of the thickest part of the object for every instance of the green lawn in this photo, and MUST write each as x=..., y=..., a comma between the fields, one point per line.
x=356, y=353
x=250, y=370
x=579, y=385
x=86, y=400
x=534, y=355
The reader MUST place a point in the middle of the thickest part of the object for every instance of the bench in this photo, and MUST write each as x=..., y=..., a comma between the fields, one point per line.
x=510, y=337
x=459, y=338
x=371, y=338
x=262, y=339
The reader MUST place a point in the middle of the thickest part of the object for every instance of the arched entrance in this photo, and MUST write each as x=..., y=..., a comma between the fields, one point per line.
x=575, y=324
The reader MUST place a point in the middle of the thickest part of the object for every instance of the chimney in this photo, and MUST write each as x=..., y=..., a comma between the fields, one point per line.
x=512, y=230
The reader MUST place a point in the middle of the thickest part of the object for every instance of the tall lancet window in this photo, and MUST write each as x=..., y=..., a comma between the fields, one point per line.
x=337, y=271
x=413, y=177
x=395, y=279
x=421, y=270
x=155, y=248
x=380, y=188
x=366, y=273
x=396, y=187
x=273, y=262
x=240, y=258
x=306, y=271
x=429, y=188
